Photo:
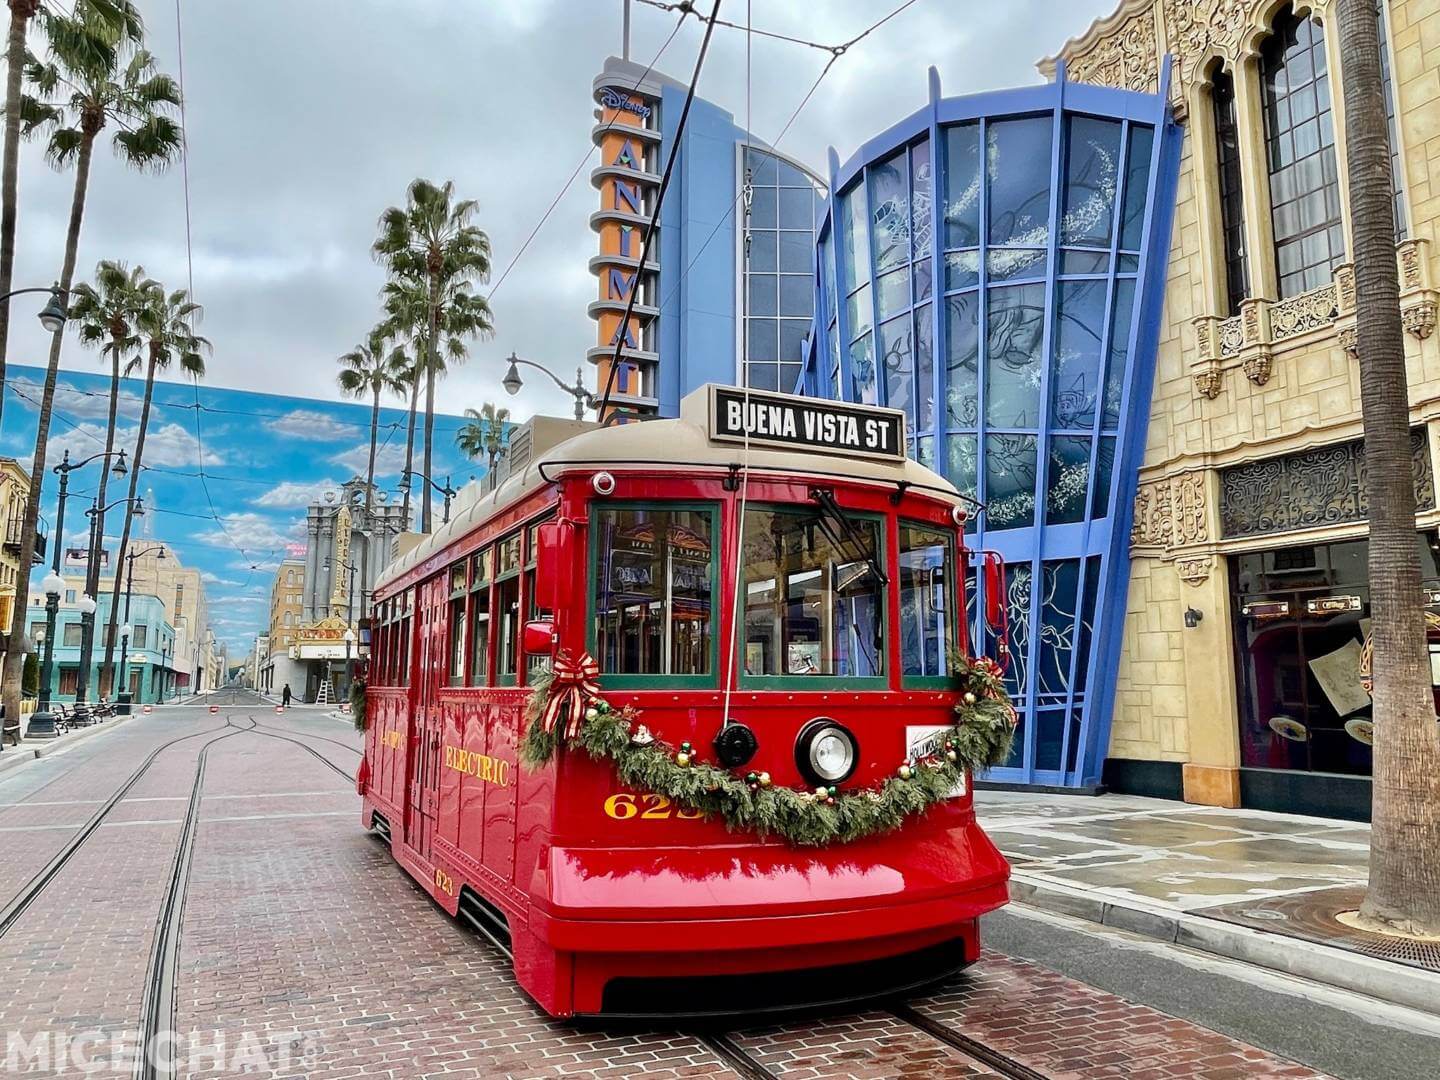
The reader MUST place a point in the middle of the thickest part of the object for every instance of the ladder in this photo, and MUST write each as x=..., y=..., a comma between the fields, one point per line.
x=322, y=696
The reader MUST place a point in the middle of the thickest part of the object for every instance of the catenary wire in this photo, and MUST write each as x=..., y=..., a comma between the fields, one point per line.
x=566, y=186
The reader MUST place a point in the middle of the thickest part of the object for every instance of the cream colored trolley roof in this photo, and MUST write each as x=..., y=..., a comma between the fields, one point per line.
x=658, y=446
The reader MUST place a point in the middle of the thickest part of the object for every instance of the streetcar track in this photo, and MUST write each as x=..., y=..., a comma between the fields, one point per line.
x=311, y=735
x=27, y=895
x=262, y=730
x=158, y=1003
x=1001, y=1062
x=724, y=1046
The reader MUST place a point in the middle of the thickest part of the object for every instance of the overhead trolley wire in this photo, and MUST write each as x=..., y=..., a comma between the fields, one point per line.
x=579, y=166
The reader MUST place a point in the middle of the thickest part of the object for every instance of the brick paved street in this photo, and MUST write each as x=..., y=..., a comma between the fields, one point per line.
x=306, y=951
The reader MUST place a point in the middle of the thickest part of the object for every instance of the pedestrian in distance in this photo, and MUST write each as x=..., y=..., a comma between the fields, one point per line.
x=285, y=696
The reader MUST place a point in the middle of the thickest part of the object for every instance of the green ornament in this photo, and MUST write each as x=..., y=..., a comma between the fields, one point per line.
x=752, y=778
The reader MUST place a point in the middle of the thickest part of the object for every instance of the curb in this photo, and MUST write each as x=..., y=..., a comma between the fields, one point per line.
x=1383, y=979
x=12, y=759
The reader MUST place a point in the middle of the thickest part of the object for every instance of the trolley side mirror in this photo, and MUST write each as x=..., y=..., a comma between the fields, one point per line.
x=554, y=564
x=994, y=590
x=539, y=638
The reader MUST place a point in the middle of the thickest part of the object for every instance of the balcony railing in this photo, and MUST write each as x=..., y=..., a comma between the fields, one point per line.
x=14, y=529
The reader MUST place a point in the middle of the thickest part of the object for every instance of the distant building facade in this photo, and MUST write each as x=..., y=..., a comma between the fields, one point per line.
x=14, y=491
x=152, y=672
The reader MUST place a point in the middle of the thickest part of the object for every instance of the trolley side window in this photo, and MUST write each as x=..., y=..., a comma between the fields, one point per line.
x=480, y=575
x=406, y=601
x=927, y=619
x=459, y=584
x=379, y=641
x=653, y=584
x=507, y=608
x=537, y=663
x=814, y=599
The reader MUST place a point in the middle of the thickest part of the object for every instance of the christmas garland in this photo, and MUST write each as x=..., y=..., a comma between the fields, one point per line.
x=979, y=738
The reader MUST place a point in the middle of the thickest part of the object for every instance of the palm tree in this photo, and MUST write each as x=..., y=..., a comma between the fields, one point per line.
x=104, y=314
x=483, y=433
x=432, y=240
x=371, y=369
x=407, y=316
x=124, y=24
x=86, y=49
x=1404, y=890
x=166, y=324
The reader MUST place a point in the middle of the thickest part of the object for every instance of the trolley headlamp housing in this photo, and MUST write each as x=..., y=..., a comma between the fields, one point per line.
x=826, y=752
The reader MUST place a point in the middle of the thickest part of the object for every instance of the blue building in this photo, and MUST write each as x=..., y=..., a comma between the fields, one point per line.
x=150, y=658
x=706, y=312
x=994, y=266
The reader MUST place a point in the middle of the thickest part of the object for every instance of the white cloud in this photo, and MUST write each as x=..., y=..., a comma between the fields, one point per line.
x=294, y=495
x=311, y=426
x=389, y=460
x=252, y=532
x=210, y=578
x=170, y=446
x=76, y=404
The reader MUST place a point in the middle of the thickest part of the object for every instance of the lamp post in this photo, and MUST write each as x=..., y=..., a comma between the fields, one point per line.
x=584, y=399
x=96, y=514
x=349, y=661
x=42, y=720
x=92, y=571
x=444, y=489
x=122, y=698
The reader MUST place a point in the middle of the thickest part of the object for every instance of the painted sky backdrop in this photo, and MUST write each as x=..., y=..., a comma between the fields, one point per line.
x=265, y=458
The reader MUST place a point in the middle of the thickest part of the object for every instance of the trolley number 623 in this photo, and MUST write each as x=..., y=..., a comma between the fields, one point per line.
x=622, y=806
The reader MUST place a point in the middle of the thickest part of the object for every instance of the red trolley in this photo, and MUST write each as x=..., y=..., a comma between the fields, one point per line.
x=766, y=578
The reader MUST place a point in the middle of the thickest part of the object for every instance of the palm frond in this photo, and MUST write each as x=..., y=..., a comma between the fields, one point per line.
x=64, y=146
x=152, y=146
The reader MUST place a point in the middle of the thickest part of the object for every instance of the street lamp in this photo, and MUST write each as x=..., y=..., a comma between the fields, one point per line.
x=349, y=661
x=122, y=696
x=443, y=489
x=584, y=399
x=53, y=315
x=96, y=514
x=42, y=721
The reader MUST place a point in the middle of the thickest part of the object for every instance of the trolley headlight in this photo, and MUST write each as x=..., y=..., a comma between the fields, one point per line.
x=826, y=752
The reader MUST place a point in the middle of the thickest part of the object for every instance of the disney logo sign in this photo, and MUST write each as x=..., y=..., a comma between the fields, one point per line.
x=611, y=98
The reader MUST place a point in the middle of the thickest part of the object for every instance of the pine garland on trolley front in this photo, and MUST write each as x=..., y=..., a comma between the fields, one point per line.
x=979, y=738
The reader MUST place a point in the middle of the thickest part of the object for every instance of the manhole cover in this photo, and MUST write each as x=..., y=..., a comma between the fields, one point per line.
x=1265, y=915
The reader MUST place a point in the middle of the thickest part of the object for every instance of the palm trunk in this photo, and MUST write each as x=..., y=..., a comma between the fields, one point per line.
x=116, y=686
x=432, y=354
x=21, y=12
x=369, y=501
x=1404, y=889
x=14, y=657
x=92, y=563
x=410, y=449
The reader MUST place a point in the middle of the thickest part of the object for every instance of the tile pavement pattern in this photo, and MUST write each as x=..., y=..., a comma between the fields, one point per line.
x=310, y=953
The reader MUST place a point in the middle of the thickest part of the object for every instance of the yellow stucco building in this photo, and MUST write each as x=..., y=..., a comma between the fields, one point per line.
x=14, y=490
x=1248, y=596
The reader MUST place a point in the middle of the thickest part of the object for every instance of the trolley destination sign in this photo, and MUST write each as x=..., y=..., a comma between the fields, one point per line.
x=797, y=423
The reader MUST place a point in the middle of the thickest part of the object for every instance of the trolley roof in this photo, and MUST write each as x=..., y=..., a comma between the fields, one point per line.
x=705, y=437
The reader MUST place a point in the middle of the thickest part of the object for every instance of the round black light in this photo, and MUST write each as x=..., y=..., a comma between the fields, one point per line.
x=735, y=745
x=826, y=752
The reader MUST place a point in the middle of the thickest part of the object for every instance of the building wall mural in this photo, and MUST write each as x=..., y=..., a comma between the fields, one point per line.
x=992, y=265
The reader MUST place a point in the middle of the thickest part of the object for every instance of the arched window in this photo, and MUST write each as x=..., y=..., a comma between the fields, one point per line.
x=1232, y=206
x=1300, y=150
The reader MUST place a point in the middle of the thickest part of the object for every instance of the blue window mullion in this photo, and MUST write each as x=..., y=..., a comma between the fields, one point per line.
x=845, y=390
x=982, y=350
x=876, y=361
x=939, y=354
x=1042, y=442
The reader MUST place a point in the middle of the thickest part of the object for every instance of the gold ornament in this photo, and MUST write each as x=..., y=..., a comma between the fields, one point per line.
x=764, y=779
x=949, y=755
x=682, y=759
x=822, y=791
x=592, y=713
x=970, y=698
x=906, y=772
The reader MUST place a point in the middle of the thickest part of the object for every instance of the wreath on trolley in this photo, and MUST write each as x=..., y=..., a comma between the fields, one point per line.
x=566, y=708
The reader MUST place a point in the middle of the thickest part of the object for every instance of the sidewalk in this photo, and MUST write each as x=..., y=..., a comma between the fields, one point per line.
x=1247, y=884
x=12, y=757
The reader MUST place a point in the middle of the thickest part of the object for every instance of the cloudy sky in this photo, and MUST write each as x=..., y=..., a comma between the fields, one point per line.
x=306, y=118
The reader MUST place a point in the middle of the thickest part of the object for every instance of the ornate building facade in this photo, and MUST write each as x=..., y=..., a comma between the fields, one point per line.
x=1248, y=598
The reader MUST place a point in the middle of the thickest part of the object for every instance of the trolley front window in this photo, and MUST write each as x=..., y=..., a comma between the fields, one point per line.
x=654, y=582
x=927, y=625
x=814, y=598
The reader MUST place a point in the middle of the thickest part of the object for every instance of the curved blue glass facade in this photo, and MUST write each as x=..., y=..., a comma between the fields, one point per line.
x=994, y=266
